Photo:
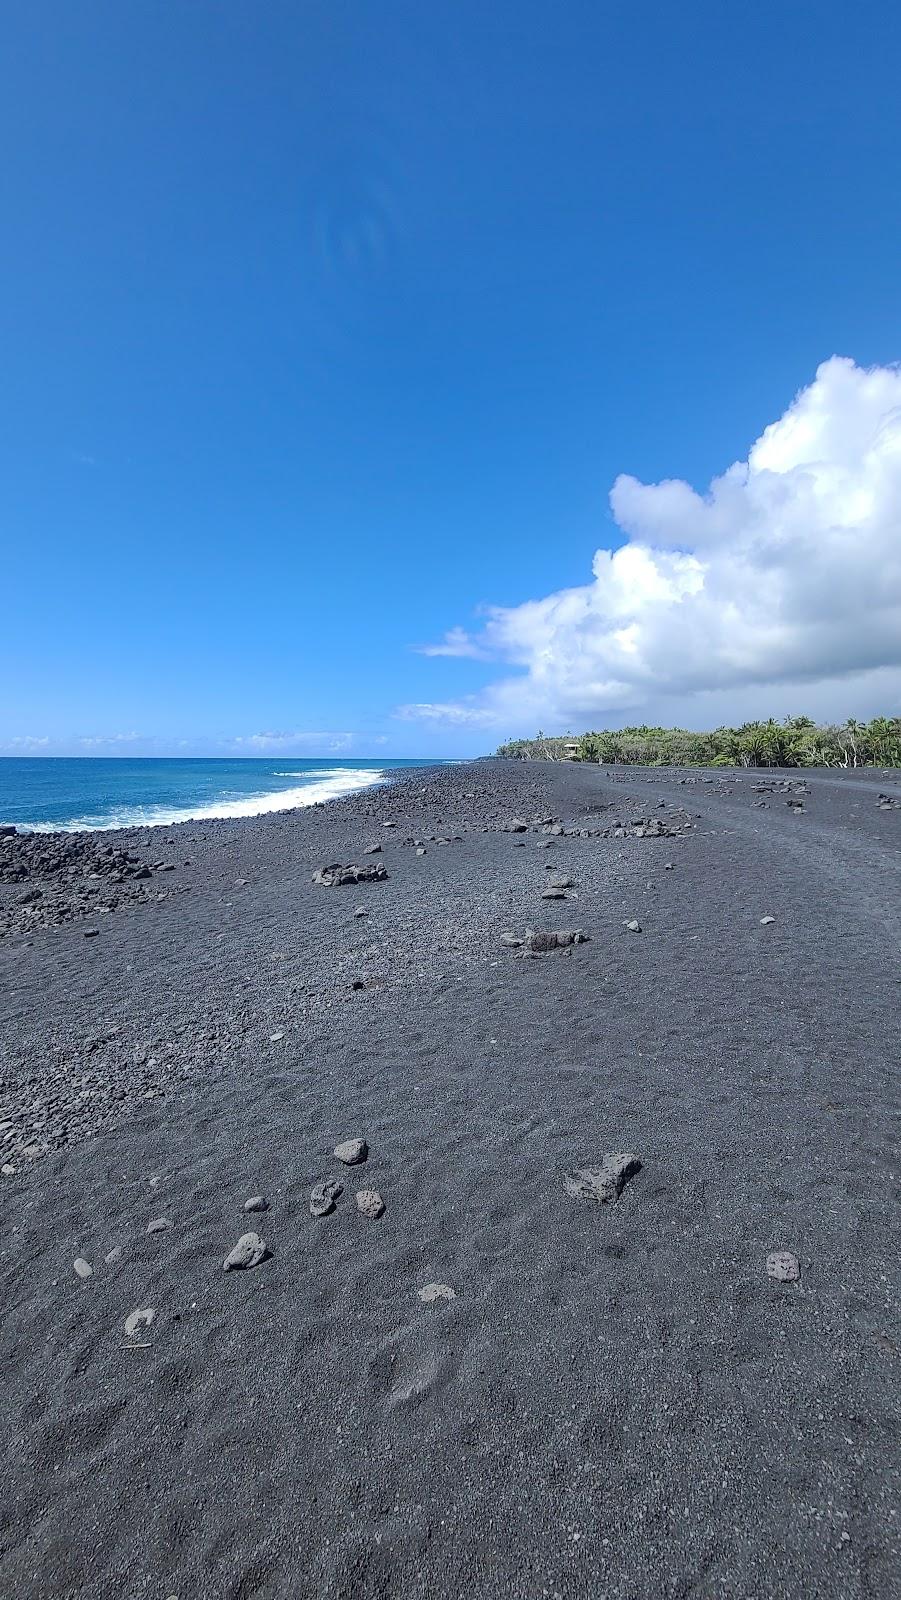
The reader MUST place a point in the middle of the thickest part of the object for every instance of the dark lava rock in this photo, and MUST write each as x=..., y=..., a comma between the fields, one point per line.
x=605, y=1183
x=249, y=1251
x=323, y=1196
x=536, y=942
x=66, y=877
x=370, y=872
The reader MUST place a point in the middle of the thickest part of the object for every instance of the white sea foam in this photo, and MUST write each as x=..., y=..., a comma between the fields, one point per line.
x=328, y=785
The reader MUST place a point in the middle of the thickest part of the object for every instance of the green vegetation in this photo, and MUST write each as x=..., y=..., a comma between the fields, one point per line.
x=795, y=742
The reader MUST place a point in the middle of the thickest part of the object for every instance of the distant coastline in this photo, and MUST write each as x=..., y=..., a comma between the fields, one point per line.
x=793, y=742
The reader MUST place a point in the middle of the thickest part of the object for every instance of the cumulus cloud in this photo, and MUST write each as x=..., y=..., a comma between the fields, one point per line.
x=784, y=576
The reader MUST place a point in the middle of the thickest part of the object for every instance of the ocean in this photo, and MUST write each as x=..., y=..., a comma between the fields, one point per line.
x=72, y=795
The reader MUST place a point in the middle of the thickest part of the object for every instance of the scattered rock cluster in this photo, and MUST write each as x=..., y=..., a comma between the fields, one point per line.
x=326, y=1193
x=634, y=828
x=650, y=827
x=795, y=786
x=68, y=876
x=539, y=824
x=536, y=942
x=336, y=875
x=432, y=838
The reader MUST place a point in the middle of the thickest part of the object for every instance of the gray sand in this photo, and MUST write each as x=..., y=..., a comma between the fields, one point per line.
x=619, y=1400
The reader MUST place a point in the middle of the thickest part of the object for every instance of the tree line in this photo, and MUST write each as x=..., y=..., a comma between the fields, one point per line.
x=793, y=742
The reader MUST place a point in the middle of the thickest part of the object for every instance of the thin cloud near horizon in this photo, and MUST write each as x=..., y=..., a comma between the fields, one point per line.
x=310, y=744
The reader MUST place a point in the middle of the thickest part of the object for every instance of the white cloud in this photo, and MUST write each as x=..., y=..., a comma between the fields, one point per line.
x=456, y=642
x=27, y=741
x=262, y=742
x=783, y=580
x=453, y=712
x=267, y=741
x=101, y=740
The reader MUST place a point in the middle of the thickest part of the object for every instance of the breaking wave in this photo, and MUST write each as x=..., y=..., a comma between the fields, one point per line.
x=328, y=784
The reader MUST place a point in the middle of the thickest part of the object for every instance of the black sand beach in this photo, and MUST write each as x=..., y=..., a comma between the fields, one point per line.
x=619, y=1401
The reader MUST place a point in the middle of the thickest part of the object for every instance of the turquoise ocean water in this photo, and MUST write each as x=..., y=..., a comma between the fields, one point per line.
x=52, y=793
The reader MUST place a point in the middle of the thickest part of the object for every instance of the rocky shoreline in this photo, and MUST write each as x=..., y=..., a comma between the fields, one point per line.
x=66, y=877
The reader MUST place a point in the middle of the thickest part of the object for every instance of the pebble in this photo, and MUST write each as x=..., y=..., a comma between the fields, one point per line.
x=783, y=1266
x=351, y=1152
x=765, y=921
x=248, y=1252
x=91, y=933
x=420, y=850
x=160, y=1225
x=114, y=1255
x=83, y=1268
x=605, y=1183
x=370, y=1203
x=436, y=1291
x=667, y=866
x=323, y=1196
x=633, y=926
x=257, y=1202
x=550, y=893
x=137, y=1321
x=274, y=1038
x=361, y=912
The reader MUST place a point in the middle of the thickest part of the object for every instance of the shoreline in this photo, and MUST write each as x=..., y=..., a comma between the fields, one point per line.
x=324, y=784
x=597, y=1365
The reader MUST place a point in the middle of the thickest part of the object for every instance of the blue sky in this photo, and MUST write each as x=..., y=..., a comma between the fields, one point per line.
x=326, y=326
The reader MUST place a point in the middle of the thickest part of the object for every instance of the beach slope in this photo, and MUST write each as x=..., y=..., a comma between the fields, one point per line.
x=514, y=1381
